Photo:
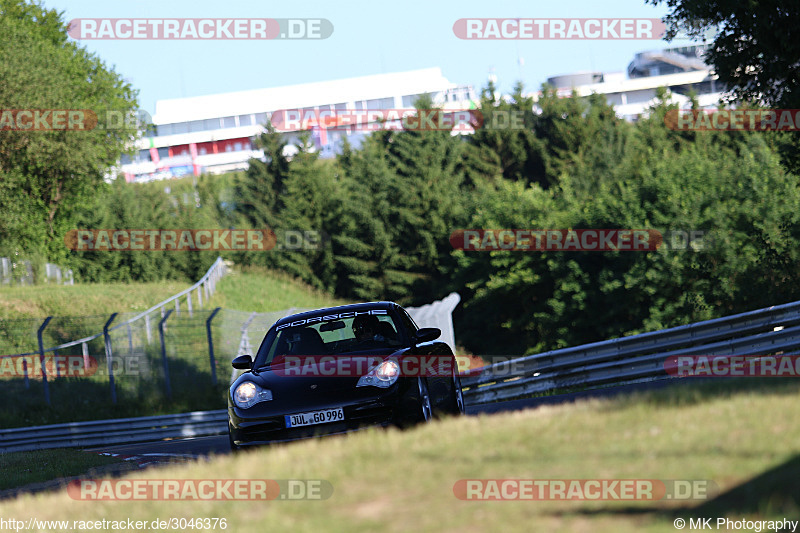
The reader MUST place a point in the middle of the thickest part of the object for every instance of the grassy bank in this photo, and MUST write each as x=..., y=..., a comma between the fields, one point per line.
x=262, y=290
x=747, y=443
x=23, y=468
x=39, y=301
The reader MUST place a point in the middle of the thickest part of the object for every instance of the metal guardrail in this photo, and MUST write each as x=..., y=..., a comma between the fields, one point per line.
x=119, y=431
x=637, y=358
x=634, y=359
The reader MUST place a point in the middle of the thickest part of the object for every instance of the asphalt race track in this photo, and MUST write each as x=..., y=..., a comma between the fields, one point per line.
x=204, y=446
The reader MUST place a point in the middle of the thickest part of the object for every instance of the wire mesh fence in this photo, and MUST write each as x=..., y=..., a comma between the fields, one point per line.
x=171, y=358
x=152, y=360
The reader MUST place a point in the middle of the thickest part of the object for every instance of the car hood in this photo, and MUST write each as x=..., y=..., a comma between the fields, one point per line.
x=296, y=388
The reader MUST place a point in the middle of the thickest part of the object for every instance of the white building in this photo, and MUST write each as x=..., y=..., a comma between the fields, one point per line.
x=681, y=70
x=214, y=133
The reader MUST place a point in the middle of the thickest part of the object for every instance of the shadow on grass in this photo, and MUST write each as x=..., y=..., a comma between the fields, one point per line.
x=74, y=399
x=774, y=494
x=679, y=392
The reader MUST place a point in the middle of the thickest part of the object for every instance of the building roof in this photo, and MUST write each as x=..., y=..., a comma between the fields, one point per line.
x=300, y=96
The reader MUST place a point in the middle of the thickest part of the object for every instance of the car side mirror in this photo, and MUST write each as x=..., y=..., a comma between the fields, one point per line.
x=427, y=334
x=243, y=362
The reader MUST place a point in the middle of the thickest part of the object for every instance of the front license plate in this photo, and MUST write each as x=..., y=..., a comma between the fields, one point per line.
x=314, y=417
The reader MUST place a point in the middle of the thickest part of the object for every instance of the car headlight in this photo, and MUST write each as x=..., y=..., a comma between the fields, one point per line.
x=383, y=375
x=247, y=394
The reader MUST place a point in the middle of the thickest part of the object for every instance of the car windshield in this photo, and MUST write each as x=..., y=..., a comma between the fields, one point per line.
x=362, y=334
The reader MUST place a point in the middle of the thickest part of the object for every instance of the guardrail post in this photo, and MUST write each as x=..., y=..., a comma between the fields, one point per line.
x=211, y=346
x=41, y=359
x=110, y=357
x=164, y=353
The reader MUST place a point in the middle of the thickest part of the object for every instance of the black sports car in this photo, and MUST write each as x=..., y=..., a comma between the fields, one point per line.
x=340, y=369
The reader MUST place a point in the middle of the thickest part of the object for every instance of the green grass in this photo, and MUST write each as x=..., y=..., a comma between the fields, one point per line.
x=22, y=468
x=248, y=289
x=262, y=290
x=746, y=442
x=82, y=299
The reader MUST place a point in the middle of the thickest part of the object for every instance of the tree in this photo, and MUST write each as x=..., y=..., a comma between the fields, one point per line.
x=505, y=143
x=641, y=176
x=403, y=195
x=308, y=204
x=46, y=175
x=756, y=52
x=258, y=193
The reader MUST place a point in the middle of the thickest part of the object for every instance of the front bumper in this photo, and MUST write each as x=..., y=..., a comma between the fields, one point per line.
x=265, y=430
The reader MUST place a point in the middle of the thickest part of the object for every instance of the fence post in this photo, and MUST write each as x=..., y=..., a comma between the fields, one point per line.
x=177, y=307
x=147, y=326
x=110, y=357
x=164, y=353
x=200, y=296
x=244, y=342
x=189, y=303
x=55, y=364
x=130, y=339
x=25, y=372
x=211, y=346
x=85, y=352
x=41, y=359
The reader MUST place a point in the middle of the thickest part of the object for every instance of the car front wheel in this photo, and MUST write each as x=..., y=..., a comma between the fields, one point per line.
x=425, y=410
x=454, y=402
x=415, y=406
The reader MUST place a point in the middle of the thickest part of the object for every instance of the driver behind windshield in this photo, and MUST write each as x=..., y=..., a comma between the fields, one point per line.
x=365, y=328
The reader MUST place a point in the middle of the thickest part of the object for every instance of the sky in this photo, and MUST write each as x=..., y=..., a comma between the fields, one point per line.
x=368, y=38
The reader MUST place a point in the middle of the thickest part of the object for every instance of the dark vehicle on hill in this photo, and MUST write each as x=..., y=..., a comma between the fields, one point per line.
x=340, y=369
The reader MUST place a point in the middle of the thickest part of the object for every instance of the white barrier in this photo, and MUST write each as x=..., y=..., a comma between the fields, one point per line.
x=438, y=314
